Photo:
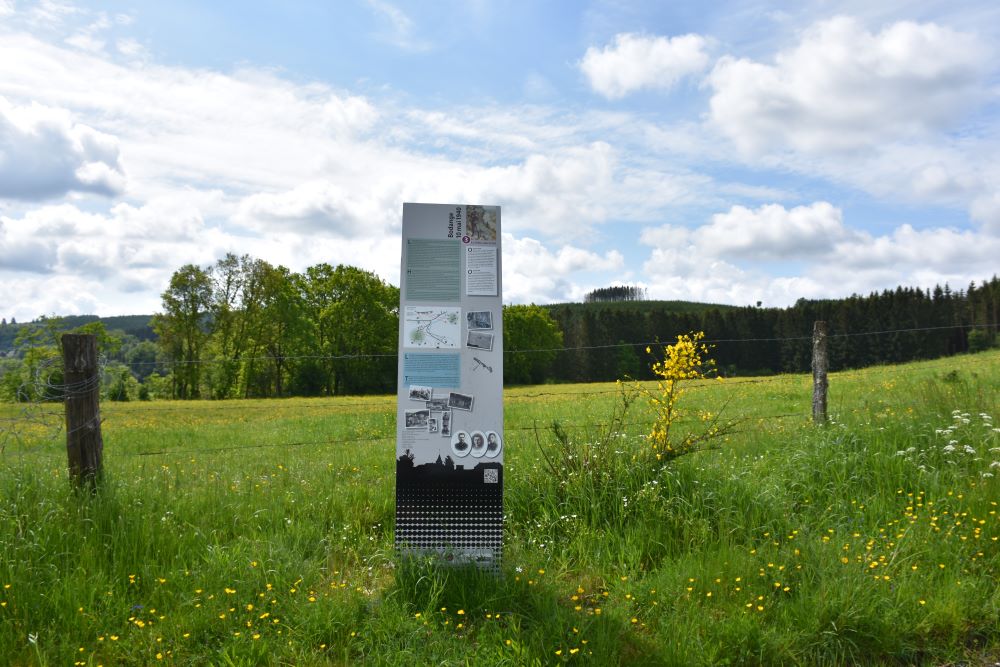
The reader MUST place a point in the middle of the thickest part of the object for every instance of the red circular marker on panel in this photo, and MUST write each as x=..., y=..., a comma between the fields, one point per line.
x=465, y=239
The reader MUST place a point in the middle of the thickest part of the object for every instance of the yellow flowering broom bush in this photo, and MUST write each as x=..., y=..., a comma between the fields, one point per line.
x=683, y=361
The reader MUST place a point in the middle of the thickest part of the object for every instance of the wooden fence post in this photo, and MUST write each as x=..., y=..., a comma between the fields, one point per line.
x=84, y=444
x=820, y=364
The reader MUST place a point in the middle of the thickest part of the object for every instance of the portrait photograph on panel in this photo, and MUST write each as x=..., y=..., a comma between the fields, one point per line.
x=461, y=444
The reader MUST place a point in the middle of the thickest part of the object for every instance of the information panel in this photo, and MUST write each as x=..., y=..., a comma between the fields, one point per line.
x=449, y=413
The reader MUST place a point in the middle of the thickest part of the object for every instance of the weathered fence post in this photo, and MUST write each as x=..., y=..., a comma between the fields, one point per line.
x=820, y=364
x=84, y=444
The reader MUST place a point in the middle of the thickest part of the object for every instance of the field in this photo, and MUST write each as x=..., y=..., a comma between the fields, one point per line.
x=261, y=532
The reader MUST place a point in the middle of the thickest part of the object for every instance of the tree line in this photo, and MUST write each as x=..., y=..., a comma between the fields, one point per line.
x=607, y=341
x=244, y=328
x=616, y=293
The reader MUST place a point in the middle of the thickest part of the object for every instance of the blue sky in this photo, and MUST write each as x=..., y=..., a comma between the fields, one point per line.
x=730, y=152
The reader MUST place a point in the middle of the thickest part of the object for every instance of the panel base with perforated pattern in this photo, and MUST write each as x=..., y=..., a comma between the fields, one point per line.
x=450, y=512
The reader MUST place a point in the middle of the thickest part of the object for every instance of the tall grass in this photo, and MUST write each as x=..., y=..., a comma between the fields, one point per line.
x=868, y=541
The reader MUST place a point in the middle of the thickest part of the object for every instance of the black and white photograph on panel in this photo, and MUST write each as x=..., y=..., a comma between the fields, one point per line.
x=478, y=444
x=460, y=401
x=446, y=424
x=434, y=423
x=480, y=340
x=461, y=444
x=437, y=404
x=419, y=393
x=493, y=444
x=417, y=419
x=479, y=319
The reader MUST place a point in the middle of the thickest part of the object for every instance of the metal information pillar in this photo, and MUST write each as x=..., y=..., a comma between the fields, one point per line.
x=449, y=412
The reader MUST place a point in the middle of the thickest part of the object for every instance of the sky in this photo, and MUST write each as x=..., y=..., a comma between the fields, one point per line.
x=728, y=152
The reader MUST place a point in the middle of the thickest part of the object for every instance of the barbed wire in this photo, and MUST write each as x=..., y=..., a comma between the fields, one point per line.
x=31, y=417
x=387, y=402
x=42, y=387
x=658, y=342
x=392, y=437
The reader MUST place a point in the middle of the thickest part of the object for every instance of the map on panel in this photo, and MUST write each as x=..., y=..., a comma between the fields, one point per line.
x=432, y=326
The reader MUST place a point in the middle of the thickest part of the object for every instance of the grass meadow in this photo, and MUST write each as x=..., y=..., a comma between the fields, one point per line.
x=261, y=532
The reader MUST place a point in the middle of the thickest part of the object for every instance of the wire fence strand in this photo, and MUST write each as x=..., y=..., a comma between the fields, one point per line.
x=607, y=346
x=47, y=416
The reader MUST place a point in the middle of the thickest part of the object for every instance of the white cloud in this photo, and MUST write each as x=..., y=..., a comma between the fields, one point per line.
x=774, y=232
x=843, y=87
x=126, y=256
x=7, y=7
x=347, y=115
x=250, y=130
x=28, y=298
x=633, y=62
x=399, y=27
x=44, y=153
x=255, y=133
x=680, y=273
x=86, y=41
x=24, y=252
x=123, y=246
x=771, y=232
x=556, y=193
x=317, y=207
x=51, y=13
x=572, y=190
x=535, y=274
x=967, y=255
x=743, y=256
x=130, y=48
x=254, y=161
x=986, y=210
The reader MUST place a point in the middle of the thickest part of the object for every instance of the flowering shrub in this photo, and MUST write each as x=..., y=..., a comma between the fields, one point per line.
x=601, y=478
x=683, y=361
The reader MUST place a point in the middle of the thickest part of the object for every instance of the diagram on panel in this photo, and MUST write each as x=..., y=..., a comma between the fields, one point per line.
x=432, y=326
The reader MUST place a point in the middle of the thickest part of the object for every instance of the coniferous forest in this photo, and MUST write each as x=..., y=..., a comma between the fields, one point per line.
x=892, y=326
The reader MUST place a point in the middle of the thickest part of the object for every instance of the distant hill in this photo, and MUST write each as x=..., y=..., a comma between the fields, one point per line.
x=134, y=325
x=139, y=325
x=640, y=306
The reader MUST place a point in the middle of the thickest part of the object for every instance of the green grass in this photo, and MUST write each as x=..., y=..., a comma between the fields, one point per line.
x=260, y=532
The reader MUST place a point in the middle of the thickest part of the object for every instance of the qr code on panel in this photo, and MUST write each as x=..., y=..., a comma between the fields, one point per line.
x=490, y=476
